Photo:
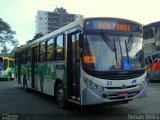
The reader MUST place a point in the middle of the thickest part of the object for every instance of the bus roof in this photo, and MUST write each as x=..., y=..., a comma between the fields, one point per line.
x=68, y=27
x=151, y=25
x=113, y=18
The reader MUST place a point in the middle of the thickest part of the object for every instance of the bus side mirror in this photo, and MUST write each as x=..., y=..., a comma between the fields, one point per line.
x=81, y=40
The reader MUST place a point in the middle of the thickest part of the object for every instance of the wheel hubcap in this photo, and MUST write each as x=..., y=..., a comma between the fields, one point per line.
x=60, y=94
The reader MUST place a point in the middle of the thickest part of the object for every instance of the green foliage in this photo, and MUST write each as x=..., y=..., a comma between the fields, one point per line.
x=38, y=35
x=6, y=36
x=4, y=49
x=4, y=26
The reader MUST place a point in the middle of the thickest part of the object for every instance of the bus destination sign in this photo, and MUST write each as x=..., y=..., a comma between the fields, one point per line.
x=112, y=24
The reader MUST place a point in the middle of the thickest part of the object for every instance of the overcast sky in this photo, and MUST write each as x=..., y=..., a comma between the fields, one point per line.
x=20, y=14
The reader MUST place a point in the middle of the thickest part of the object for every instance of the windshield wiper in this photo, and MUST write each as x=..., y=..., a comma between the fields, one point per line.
x=115, y=50
x=127, y=49
x=121, y=52
x=108, y=41
x=110, y=44
x=130, y=42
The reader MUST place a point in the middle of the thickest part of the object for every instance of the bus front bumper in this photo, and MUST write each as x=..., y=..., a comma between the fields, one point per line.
x=90, y=97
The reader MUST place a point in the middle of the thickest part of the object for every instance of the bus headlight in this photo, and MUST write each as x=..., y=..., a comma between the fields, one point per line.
x=141, y=85
x=92, y=85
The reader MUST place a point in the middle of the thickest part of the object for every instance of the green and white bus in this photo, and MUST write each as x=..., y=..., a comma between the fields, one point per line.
x=90, y=61
x=6, y=68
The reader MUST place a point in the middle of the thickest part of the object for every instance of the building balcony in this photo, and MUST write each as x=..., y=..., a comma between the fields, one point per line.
x=53, y=27
x=53, y=22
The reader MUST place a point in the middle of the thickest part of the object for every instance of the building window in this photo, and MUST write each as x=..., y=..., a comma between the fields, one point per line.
x=40, y=18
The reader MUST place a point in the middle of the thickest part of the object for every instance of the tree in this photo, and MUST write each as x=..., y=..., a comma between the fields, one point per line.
x=38, y=35
x=4, y=26
x=6, y=36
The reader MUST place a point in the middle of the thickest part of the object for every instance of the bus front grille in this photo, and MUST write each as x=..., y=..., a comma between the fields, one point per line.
x=116, y=96
x=112, y=88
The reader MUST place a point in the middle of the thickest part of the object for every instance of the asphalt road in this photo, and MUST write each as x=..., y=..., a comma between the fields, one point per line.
x=15, y=104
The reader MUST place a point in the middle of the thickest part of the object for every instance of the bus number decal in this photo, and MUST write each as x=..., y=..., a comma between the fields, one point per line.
x=89, y=59
x=109, y=83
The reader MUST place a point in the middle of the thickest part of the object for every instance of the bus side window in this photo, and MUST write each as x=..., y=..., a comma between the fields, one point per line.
x=5, y=64
x=16, y=60
x=60, y=48
x=29, y=55
x=11, y=63
x=23, y=56
x=42, y=53
x=1, y=63
x=50, y=49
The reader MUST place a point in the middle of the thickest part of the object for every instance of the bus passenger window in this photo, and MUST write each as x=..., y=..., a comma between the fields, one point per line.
x=29, y=55
x=42, y=55
x=50, y=50
x=11, y=63
x=23, y=57
x=60, y=48
x=5, y=64
x=1, y=63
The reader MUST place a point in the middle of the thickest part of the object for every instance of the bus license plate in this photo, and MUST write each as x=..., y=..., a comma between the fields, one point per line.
x=122, y=94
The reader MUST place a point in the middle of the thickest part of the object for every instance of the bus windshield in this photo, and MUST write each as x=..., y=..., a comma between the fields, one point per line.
x=104, y=52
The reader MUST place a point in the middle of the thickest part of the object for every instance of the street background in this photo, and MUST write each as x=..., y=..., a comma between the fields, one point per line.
x=37, y=106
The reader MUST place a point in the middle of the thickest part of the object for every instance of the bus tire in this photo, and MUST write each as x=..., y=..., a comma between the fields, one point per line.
x=25, y=86
x=60, y=95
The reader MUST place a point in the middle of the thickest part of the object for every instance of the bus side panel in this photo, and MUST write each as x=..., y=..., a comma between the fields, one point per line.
x=25, y=74
x=46, y=76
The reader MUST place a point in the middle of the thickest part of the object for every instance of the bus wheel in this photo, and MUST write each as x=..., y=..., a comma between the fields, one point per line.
x=61, y=96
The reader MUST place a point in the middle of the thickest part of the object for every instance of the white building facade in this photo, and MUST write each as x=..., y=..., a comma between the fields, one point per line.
x=47, y=22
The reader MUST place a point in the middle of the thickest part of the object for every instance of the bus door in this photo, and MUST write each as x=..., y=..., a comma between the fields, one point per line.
x=33, y=66
x=73, y=66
